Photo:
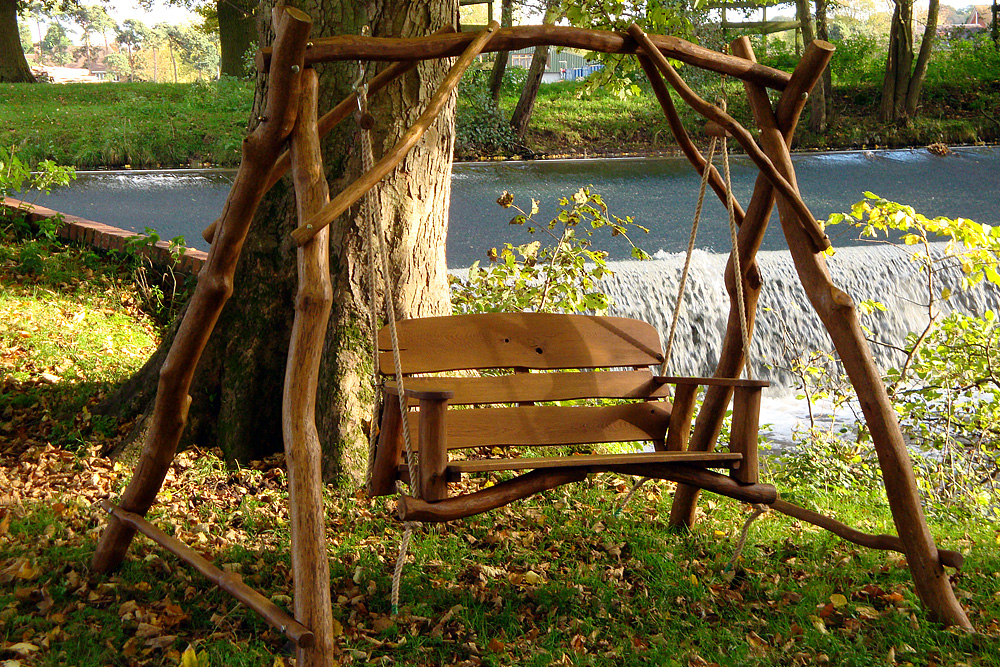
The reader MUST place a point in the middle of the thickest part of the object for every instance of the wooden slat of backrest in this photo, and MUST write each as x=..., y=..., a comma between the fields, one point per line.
x=539, y=341
x=543, y=387
x=554, y=425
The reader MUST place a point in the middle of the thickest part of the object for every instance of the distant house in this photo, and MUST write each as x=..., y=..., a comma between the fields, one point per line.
x=962, y=26
x=562, y=65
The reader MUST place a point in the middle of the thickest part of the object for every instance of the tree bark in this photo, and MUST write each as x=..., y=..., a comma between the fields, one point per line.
x=898, y=63
x=923, y=58
x=526, y=102
x=237, y=33
x=237, y=389
x=820, y=103
x=13, y=65
x=500, y=65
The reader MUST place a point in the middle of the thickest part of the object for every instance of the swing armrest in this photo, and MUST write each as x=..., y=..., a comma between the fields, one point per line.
x=431, y=439
x=710, y=381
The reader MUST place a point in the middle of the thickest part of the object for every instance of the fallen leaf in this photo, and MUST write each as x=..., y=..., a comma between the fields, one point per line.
x=838, y=600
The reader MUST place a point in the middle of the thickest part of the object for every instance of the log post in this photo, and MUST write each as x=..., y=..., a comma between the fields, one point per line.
x=310, y=568
x=751, y=234
x=433, y=449
x=836, y=310
x=743, y=433
x=215, y=285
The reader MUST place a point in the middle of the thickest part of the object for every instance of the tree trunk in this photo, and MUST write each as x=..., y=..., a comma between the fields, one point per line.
x=820, y=103
x=13, y=65
x=500, y=65
x=923, y=58
x=237, y=33
x=173, y=59
x=526, y=103
x=237, y=389
x=898, y=64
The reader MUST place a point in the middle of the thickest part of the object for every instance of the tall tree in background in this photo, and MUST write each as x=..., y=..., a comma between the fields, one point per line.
x=237, y=389
x=132, y=34
x=13, y=65
x=92, y=19
x=500, y=64
x=235, y=22
x=521, y=115
x=904, y=77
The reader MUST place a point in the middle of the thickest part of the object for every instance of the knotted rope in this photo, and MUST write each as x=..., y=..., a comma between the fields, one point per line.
x=376, y=245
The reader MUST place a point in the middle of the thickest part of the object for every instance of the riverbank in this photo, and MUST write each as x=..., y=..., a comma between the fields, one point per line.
x=146, y=125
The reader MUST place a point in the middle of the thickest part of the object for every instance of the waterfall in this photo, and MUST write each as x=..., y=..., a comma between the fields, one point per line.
x=787, y=326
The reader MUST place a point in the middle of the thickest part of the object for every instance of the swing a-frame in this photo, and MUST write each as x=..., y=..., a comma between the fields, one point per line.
x=546, y=358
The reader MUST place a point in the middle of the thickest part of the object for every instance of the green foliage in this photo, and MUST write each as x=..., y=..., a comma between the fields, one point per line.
x=16, y=176
x=947, y=390
x=961, y=63
x=480, y=127
x=975, y=248
x=859, y=59
x=560, y=276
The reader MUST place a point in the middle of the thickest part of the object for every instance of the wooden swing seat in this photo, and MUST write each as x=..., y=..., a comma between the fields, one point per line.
x=536, y=373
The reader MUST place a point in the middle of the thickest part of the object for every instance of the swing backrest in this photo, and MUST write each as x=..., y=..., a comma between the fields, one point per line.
x=504, y=347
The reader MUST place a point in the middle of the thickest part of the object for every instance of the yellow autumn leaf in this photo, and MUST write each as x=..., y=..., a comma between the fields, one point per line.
x=532, y=578
x=694, y=580
x=838, y=600
x=338, y=629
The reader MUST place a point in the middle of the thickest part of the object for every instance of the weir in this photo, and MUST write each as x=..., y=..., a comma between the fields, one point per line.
x=787, y=327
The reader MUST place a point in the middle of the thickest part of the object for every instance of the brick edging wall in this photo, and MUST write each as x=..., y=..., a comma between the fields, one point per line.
x=106, y=237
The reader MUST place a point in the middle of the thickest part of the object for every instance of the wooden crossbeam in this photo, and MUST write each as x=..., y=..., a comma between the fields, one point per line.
x=230, y=582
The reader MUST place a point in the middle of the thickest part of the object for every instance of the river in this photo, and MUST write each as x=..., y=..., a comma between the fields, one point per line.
x=659, y=193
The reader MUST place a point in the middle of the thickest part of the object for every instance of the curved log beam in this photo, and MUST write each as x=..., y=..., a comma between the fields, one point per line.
x=881, y=541
x=504, y=493
x=367, y=181
x=687, y=146
x=760, y=159
x=215, y=285
x=355, y=47
x=705, y=479
x=837, y=312
x=228, y=581
x=331, y=119
x=751, y=234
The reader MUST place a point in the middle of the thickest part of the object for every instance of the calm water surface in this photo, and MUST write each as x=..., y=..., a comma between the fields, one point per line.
x=659, y=193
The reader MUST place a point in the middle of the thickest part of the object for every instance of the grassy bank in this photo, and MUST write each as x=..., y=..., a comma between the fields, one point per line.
x=558, y=579
x=147, y=125
x=142, y=125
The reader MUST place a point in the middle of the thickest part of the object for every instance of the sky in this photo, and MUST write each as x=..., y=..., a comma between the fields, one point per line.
x=160, y=13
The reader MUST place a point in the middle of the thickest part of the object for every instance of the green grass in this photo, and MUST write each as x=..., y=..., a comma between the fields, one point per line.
x=555, y=579
x=167, y=125
x=118, y=125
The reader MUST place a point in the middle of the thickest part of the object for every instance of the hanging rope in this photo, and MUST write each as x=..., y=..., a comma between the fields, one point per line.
x=758, y=510
x=680, y=295
x=735, y=254
x=687, y=258
x=377, y=246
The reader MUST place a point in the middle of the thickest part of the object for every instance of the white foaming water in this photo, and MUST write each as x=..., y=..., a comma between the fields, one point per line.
x=787, y=327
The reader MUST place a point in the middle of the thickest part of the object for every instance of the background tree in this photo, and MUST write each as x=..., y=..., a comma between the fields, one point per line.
x=27, y=43
x=132, y=34
x=500, y=64
x=904, y=77
x=118, y=66
x=236, y=390
x=521, y=115
x=235, y=22
x=56, y=44
x=92, y=19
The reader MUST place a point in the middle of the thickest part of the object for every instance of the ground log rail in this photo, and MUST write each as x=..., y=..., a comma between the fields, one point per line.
x=290, y=117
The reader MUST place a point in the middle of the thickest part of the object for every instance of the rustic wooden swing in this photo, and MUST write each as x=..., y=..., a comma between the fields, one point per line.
x=565, y=351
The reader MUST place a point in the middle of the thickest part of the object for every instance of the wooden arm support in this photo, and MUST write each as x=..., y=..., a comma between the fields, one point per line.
x=746, y=419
